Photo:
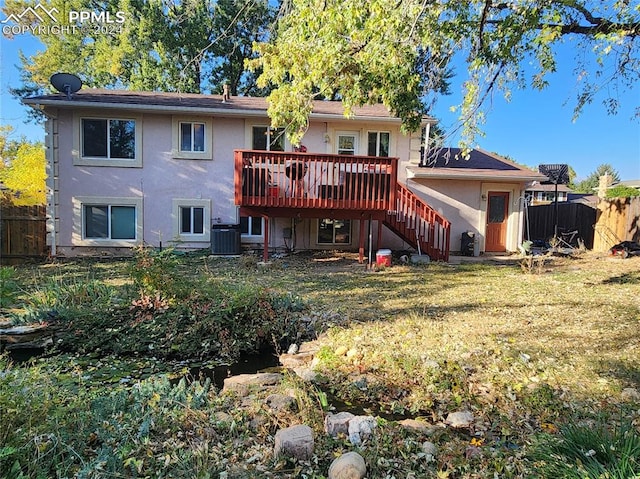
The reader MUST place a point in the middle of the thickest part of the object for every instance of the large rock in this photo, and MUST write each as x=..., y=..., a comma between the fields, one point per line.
x=348, y=466
x=294, y=441
x=245, y=383
x=459, y=419
x=360, y=428
x=335, y=424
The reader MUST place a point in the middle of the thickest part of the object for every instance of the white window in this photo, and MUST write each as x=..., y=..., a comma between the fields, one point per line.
x=378, y=143
x=251, y=226
x=192, y=138
x=107, y=221
x=107, y=141
x=347, y=143
x=334, y=232
x=267, y=138
x=192, y=220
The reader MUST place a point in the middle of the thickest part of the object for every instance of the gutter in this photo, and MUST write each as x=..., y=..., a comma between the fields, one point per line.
x=493, y=175
x=39, y=103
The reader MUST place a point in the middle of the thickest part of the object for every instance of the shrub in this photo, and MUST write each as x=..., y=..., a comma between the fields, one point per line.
x=8, y=286
x=622, y=191
x=589, y=452
x=158, y=271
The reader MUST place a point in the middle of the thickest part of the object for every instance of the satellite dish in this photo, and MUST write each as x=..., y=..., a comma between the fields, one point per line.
x=66, y=83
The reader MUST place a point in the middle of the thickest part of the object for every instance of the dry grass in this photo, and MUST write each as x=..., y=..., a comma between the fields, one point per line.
x=528, y=350
x=576, y=325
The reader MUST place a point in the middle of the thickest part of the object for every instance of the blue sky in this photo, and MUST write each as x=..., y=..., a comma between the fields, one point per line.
x=533, y=128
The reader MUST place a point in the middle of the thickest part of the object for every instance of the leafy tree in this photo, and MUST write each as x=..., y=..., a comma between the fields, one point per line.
x=22, y=169
x=622, y=191
x=162, y=45
x=590, y=184
x=397, y=52
x=237, y=25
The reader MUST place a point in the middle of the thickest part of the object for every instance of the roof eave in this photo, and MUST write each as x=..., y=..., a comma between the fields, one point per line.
x=451, y=174
x=235, y=112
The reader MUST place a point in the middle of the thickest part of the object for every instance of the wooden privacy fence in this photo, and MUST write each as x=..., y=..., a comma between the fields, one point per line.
x=539, y=221
x=617, y=220
x=23, y=233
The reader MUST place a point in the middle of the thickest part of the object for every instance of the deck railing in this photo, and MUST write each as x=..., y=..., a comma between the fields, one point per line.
x=420, y=225
x=309, y=180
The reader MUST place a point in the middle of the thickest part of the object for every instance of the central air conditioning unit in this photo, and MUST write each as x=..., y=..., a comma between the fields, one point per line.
x=225, y=239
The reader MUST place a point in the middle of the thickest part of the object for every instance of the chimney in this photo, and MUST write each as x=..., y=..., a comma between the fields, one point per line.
x=225, y=93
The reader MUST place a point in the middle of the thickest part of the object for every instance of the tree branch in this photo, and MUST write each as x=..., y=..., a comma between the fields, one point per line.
x=595, y=25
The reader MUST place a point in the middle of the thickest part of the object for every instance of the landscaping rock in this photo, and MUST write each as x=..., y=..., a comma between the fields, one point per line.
x=360, y=428
x=353, y=353
x=431, y=364
x=335, y=424
x=348, y=466
x=430, y=450
x=244, y=383
x=295, y=441
x=459, y=419
x=630, y=394
x=340, y=351
x=472, y=452
x=306, y=374
x=309, y=348
x=223, y=417
x=280, y=402
x=291, y=361
x=418, y=426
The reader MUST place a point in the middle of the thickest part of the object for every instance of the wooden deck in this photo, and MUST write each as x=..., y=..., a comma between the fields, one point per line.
x=310, y=185
x=275, y=184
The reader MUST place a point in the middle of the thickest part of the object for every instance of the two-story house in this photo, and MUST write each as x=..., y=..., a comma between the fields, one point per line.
x=128, y=168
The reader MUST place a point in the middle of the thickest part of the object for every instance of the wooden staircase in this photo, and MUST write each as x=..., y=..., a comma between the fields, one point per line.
x=418, y=224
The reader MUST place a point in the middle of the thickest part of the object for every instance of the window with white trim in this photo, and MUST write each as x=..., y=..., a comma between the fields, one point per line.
x=347, y=144
x=192, y=218
x=251, y=226
x=332, y=231
x=101, y=141
x=378, y=143
x=107, y=221
x=108, y=138
x=117, y=222
x=192, y=138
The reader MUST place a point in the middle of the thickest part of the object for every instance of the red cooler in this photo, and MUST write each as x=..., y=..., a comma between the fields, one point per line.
x=383, y=257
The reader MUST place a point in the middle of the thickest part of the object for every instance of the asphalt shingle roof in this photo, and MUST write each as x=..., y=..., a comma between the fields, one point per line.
x=191, y=101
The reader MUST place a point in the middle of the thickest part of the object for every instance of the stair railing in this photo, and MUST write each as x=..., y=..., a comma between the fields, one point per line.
x=419, y=224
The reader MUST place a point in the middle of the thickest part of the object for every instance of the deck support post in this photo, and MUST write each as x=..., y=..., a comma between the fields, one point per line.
x=361, y=242
x=265, y=251
x=379, y=234
x=370, y=240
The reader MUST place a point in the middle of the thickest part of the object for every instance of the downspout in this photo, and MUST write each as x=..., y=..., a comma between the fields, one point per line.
x=51, y=156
